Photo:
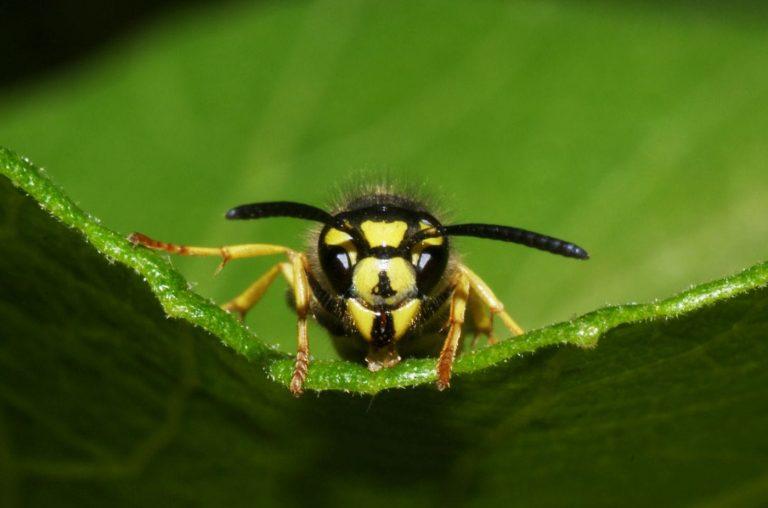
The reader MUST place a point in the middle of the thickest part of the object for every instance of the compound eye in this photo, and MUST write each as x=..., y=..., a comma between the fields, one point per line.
x=337, y=266
x=430, y=265
x=337, y=258
x=342, y=260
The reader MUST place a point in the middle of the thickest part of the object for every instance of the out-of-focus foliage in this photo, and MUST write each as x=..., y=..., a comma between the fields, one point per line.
x=636, y=129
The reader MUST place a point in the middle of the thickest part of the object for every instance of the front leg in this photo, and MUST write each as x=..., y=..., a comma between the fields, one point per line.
x=456, y=320
x=226, y=253
x=301, y=294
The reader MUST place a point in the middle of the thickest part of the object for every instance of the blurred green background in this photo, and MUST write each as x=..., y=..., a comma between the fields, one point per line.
x=636, y=129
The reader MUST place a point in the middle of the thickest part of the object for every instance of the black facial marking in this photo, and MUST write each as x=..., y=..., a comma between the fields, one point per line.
x=383, y=252
x=383, y=329
x=383, y=288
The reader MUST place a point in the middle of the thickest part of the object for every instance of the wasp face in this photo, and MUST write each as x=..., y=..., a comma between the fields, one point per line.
x=378, y=266
x=379, y=263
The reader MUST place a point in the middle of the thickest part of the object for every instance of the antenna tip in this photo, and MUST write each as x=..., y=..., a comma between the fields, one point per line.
x=579, y=253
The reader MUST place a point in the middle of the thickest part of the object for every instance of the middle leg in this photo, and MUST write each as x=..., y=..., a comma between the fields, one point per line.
x=479, y=287
x=243, y=302
x=480, y=317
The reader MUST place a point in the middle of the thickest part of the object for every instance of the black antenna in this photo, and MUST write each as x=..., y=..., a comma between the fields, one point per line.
x=517, y=235
x=507, y=234
x=280, y=209
x=291, y=209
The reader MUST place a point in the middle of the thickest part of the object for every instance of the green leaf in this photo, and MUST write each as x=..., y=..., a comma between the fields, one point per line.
x=106, y=401
x=635, y=129
x=180, y=302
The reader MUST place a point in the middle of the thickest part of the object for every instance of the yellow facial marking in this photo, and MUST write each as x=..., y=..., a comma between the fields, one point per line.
x=403, y=317
x=385, y=281
x=384, y=234
x=337, y=237
x=433, y=240
x=362, y=316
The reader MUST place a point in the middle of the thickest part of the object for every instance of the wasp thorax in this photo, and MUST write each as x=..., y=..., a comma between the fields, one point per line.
x=384, y=281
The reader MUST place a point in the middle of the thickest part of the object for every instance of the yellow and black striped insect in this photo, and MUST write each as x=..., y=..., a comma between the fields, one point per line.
x=380, y=275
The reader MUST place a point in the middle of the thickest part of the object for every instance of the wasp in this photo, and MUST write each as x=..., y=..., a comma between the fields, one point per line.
x=380, y=275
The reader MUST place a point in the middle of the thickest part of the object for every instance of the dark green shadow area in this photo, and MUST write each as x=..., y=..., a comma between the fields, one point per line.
x=106, y=402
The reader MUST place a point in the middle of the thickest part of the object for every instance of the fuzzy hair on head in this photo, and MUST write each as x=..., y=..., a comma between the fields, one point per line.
x=366, y=188
x=369, y=189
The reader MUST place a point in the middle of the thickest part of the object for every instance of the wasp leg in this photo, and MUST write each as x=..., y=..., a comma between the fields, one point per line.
x=482, y=320
x=301, y=294
x=226, y=253
x=295, y=271
x=243, y=302
x=456, y=320
x=482, y=290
